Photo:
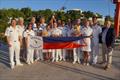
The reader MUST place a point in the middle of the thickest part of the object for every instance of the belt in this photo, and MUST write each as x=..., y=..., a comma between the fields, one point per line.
x=14, y=41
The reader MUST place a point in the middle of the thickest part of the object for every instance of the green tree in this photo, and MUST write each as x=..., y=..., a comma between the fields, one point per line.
x=72, y=14
x=27, y=11
x=88, y=14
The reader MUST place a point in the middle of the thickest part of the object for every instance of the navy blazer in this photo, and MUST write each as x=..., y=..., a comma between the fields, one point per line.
x=110, y=37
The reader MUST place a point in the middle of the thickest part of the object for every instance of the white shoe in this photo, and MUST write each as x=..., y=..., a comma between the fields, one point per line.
x=53, y=60
x=32, y=62
x=64, y=59
x=74, y=62
x=79, y=62
x=19, y=64
x=56, y=61
x=60, y=59
x=87, y=64
x=84, y=63
x=36, y=59
x=12, y=66
x=29, y=63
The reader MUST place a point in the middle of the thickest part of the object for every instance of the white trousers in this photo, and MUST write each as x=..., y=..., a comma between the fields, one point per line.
x=14, y=50
x=76, y=54
x=30, y=55
x=64, y=54
x=56, y=54
x=94, y=54
x=39, y=54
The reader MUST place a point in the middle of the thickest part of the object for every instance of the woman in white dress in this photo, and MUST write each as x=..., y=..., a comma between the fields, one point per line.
x=86, y=31
x=30, y=51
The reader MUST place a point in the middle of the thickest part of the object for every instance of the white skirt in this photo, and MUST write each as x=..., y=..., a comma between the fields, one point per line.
x=87, y=48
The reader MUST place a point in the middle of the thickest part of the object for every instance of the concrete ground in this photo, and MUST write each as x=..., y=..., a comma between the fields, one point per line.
x=58, y=71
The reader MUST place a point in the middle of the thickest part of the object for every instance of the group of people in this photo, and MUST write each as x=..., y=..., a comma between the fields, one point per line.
x=18, y=38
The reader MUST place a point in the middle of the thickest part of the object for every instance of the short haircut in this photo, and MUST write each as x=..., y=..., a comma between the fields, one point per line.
x=13, y=19
x=20, y=18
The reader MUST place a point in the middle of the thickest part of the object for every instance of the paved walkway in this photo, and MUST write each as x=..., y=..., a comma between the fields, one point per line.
x=58, y=71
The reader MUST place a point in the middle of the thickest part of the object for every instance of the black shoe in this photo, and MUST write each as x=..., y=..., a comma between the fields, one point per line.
x=106, y=67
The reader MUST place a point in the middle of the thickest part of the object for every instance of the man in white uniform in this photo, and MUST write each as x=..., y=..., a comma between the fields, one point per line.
x=14, y=39
x=95, y=40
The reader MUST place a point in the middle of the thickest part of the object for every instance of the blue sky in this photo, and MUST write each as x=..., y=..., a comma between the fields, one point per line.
x=104, y=7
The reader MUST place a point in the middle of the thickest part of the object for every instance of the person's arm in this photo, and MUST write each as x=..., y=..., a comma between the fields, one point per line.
x=20, y=40
x=100, y=30
x=26, y=41
x=7, y=34
x=91, y=35
x=26, y=38
x=8, y=41
x=113, y=38
x=20, y=37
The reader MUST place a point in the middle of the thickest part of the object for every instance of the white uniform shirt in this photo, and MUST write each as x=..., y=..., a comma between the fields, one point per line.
x=64, y=31
x=86, y=31
x=21, y=29
x=35, y=29
x=34, y=26
x=69, y=32
x=13, y=34
x=56, y=31
x=28, y=34
x=42, y=26
x=96, y=31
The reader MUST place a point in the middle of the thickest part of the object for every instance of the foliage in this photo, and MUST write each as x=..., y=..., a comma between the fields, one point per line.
x=27, y=13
